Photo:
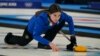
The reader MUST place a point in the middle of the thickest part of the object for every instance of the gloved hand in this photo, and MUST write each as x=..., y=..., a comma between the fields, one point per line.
x=72, y=44
x=73, y=39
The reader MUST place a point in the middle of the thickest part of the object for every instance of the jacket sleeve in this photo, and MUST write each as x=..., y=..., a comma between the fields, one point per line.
x=38, y=29
x=70, y=23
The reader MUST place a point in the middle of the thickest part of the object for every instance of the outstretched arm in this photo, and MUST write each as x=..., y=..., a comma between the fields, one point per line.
x=37, y=31
x=69, y=20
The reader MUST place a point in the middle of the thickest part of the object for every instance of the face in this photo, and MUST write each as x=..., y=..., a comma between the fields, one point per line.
x=55, y=16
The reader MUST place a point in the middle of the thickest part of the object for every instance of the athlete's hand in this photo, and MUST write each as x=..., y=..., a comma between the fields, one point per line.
x=73, y=39
x=54, y=47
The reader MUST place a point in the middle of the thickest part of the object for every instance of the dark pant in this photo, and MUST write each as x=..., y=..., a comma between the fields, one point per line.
x=26, y=38
x=20, y=40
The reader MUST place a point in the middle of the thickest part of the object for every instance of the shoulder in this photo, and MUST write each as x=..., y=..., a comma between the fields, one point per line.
x=43, y=14
x=43, y=18
x=65, y=15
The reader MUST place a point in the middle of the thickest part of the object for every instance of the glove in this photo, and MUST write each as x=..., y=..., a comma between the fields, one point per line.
x=73, y=40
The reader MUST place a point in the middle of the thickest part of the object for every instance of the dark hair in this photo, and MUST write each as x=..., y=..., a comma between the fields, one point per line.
x=52, y=9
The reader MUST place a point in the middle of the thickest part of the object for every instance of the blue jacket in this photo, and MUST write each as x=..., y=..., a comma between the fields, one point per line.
x=39, y=24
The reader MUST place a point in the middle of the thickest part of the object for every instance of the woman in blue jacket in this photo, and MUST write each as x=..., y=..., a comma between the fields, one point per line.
x=48, y=22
